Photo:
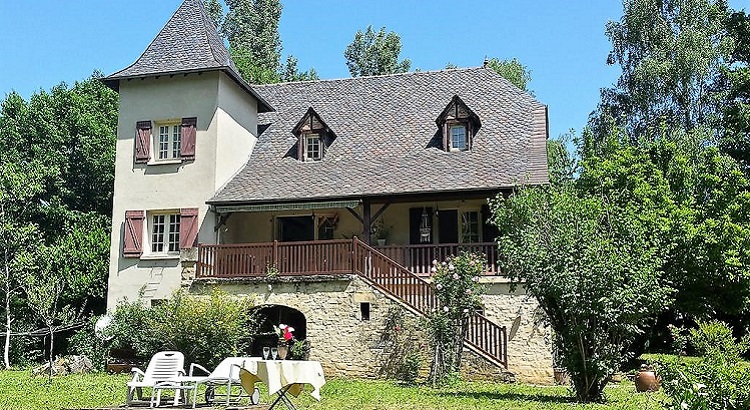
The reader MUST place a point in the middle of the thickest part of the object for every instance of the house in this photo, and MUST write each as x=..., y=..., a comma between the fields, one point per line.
x=326, y=201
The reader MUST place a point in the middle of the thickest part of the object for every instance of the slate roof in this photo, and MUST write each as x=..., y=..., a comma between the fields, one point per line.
x=189, y=42
x=387, y=141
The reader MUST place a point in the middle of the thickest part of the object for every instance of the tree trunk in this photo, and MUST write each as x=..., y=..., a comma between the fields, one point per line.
x=51, y=348
x=8, y=321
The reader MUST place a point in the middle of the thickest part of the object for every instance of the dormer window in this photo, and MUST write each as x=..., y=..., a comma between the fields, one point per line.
x=458, y=137
x=313, y=137
x=312, y=151
x=458, y=124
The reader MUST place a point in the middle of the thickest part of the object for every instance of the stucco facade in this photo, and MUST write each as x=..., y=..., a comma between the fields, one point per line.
x=226, y=127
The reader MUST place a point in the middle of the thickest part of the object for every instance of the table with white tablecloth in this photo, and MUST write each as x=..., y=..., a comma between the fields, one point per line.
x=283, y=377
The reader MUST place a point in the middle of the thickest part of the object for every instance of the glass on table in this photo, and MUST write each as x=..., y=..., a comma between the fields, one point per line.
x=266, y=352
x=274, y=352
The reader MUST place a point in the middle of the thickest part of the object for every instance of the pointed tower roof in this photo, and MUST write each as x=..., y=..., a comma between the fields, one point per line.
x=188, y=43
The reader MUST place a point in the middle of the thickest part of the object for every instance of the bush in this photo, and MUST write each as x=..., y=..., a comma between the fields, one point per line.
x=717, y=380
x=205, y=328
x=85, y=342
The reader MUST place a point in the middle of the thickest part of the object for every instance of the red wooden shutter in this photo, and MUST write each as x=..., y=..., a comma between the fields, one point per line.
x=187, y=139
x=133, y=247
x=142, y=141
x=188, y=227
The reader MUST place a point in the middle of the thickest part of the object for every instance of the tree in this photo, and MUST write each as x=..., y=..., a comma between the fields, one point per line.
x=56, y=177
x=734, y=137
x=252, y=29
x=670, y=51
x=372, y=53
x=593, y=267
x=511, y=70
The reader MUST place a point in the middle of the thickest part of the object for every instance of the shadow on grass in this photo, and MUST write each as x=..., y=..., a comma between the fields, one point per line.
x=511, y=396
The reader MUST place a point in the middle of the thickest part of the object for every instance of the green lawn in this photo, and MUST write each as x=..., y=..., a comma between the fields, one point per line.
x=20, y=391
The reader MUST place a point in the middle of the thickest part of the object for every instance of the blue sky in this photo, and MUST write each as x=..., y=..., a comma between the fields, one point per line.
x=44, y=42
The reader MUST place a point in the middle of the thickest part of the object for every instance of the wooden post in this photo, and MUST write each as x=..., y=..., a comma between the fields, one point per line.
x=366, y=220
x=276, y=253
x=354, y=254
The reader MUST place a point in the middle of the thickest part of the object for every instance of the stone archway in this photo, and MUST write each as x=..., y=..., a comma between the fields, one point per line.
x=269, y=316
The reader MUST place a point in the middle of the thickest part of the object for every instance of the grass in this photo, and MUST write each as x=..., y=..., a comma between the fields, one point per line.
x=20, y=391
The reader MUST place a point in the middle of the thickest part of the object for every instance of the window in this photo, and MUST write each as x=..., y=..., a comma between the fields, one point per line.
x=458, y=138
x=165, y=233
x=312, y=147
x=470, y=227
x=364, y=310
x=169, y=142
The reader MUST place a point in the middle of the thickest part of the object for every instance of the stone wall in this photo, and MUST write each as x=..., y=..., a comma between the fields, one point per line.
x=347, y=345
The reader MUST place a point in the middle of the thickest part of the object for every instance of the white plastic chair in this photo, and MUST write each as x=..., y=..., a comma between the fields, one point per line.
x=164, y=366
x=227, y=373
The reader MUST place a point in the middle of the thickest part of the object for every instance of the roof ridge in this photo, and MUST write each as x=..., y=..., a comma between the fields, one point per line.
x=408, y=73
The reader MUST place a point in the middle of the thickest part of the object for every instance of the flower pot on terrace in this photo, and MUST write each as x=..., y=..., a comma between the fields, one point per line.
x=646, y=380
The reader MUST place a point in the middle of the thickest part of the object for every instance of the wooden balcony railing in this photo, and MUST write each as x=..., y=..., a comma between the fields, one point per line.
x=418, y=258
x=356, y=257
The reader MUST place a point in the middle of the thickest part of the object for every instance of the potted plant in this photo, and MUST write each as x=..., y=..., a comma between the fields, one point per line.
x=380, y=232
x=285, y=337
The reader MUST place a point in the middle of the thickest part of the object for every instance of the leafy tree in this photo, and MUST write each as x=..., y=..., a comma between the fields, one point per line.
x=252, y=29
x=593, y=267
x=511, y=70
x=372, y=53
x=734, y=136
x=670, y=51
x=291, y=73
x=56, y=177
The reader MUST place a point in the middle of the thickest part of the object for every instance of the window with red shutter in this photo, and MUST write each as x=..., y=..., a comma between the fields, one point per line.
x=142, y=142
x=133, y=244
x=189, y=125
x=188, y=227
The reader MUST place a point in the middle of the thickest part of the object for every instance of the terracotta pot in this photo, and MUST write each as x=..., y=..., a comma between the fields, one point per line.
x=646, y=380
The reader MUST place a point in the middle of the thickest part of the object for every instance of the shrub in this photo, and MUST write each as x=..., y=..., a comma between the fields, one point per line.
x=458, y=294
x=85, y=342
x=205, y=328
x=593, y=267
x=717, y=380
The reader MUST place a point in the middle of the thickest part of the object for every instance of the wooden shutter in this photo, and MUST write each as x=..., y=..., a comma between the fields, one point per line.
x=133, y=246
x=142, y=142
x=187, y=139
x=188, y=227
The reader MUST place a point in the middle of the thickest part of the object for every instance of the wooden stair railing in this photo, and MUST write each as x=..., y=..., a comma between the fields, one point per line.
x=346, y=256
x=483, y=336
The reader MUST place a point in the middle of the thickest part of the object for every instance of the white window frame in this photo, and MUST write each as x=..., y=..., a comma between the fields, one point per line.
x=167, y=243
x=171, y=139
x=462, y=226
x=306, y=149
x=465, y=139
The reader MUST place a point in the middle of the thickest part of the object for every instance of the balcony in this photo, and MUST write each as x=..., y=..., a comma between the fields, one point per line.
x=323, y=257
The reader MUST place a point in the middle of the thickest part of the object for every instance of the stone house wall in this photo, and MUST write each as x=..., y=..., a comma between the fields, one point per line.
x=347, y=345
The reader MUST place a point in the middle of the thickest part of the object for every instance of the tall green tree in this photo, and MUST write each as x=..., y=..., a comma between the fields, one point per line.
x=252, y=29
x=56, y=177
x=670, y=52
x=511, y=70
x=375, y=53
x=734, y=134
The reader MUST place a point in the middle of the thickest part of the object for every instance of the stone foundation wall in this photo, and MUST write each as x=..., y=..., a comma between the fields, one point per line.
x=347, y=345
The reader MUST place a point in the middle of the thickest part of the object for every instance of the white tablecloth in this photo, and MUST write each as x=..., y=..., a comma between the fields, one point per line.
x=277, y=374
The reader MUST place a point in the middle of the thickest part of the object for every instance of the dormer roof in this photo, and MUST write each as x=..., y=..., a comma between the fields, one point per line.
x=458, y=110
x=309, y=122
x=188, y=43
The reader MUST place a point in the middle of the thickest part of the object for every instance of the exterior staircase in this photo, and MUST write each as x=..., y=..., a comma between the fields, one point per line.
x=485, y=338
